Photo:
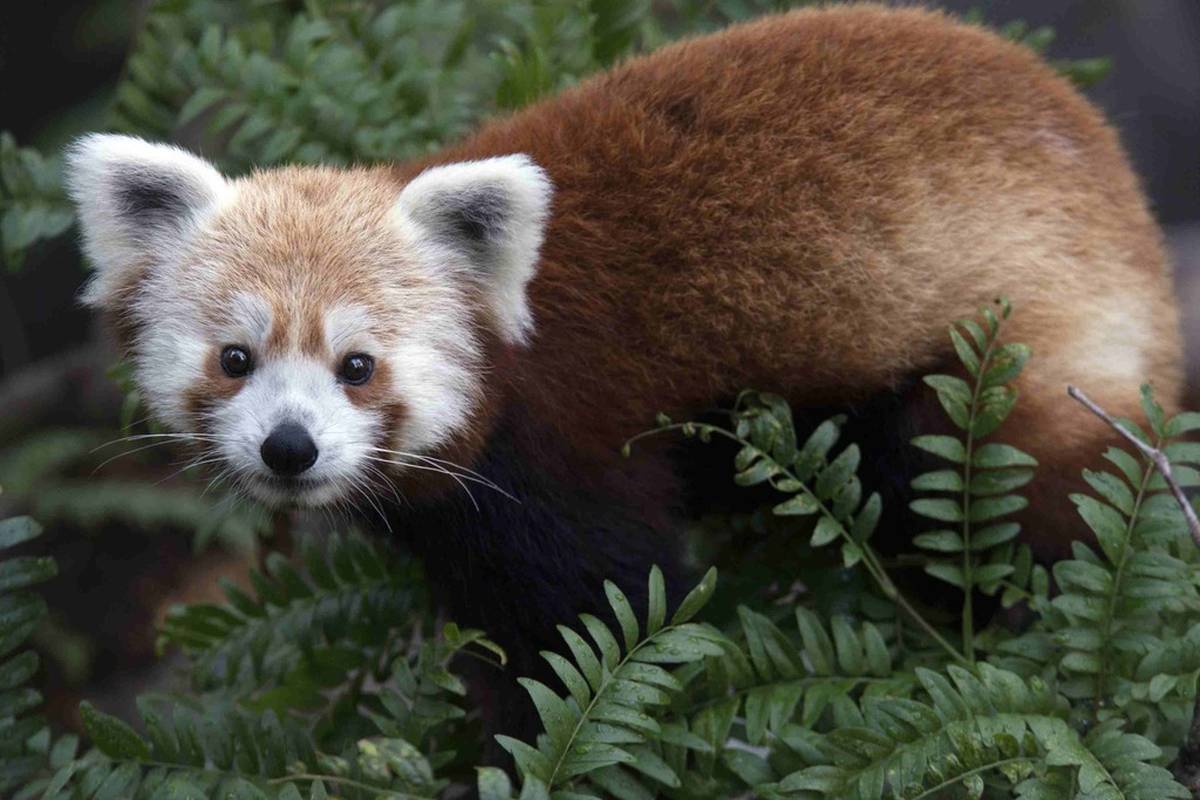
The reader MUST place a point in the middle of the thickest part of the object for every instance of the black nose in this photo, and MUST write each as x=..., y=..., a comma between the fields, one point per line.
x=289, y=450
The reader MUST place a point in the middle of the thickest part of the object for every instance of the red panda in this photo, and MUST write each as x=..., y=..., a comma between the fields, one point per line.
x=798, y=204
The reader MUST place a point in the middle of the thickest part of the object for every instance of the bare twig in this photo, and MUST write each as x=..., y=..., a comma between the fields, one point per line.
x=1187, y=764
x=1161, y=462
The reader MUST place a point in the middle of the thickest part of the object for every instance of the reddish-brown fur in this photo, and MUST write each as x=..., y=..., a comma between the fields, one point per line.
x=803, y=203
x=217, y=386
x=799, y=204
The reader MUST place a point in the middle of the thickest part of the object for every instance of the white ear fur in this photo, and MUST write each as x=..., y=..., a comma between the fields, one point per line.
x=137, y=203
x=492, y=213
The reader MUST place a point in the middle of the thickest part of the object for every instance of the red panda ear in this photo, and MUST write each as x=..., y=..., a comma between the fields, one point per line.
x=137, y=202
x=490, y=215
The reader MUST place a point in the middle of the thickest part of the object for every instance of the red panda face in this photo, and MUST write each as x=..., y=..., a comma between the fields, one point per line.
x=317, y=331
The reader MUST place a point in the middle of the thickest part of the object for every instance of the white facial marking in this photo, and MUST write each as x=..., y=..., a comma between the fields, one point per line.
x=432, y=364
x=485, y=219
x=348, y=330
x=438, y=391
x=434, y=361
x=247, y=321
x=433, y=369
x=306, y=392
x=169, y=361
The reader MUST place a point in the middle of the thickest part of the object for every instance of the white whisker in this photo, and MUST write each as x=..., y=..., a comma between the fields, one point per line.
x=362, y=488
x=459, y=479
x=124, y=453
x=438, y=461
x=161, y=436
x=199, y=462
x=383, y=480
x=469, y=475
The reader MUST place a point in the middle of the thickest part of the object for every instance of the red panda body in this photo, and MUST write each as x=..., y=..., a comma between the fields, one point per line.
x=800, y=205
x=803, y=204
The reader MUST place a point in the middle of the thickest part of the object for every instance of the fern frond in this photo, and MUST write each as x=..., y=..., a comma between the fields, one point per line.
x=819, y=485
x=226, y=752
x=301, y=632
x=422, y=692
x=601, y=733
x=1107, y=764
x=358, y=82
x=21, y=755
x=340, y=84
x=214, y=746
x=774, y=679
x=1115, y=601
x=989, y=725
x=978, y=553
x=145, y=506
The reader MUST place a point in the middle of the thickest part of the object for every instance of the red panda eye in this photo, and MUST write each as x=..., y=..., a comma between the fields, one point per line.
x=356, y=369
x=235, y=361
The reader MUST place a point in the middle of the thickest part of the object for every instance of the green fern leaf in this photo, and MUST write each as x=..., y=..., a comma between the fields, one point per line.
x=605, y=721
x=988, y=472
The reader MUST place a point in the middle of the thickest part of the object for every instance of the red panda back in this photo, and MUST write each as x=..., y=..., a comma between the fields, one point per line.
x=802, y=203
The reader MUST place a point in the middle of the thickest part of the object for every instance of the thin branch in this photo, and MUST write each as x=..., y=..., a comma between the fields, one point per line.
x=1158, y=457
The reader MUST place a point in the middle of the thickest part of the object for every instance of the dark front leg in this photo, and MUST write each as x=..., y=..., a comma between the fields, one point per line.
x=517, y=568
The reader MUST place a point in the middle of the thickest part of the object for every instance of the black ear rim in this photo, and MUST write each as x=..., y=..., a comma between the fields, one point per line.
x=473, y=221
x=479, y=215
x=153, y=199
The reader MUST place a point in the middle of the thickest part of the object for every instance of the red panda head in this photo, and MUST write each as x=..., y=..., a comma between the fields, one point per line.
x=314, y=328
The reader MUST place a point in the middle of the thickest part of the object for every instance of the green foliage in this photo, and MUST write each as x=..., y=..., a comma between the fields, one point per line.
x=68, y=475
x=360, y=81
x=817, y=484
x=332, y=677
x=23, y=738
x=322, y=681
x=334, y=617
x=1092, y=700
x=33, y=205
x=979, y=730
x=602, y=733
x=1121, y=634
x=325, y=680
x=1084, y=72
x=980, y=551
x=336, y=83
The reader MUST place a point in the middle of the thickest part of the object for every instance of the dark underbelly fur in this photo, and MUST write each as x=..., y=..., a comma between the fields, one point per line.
x=517, y=569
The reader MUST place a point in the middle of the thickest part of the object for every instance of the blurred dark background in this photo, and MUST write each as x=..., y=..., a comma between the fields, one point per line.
x=59, y=65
